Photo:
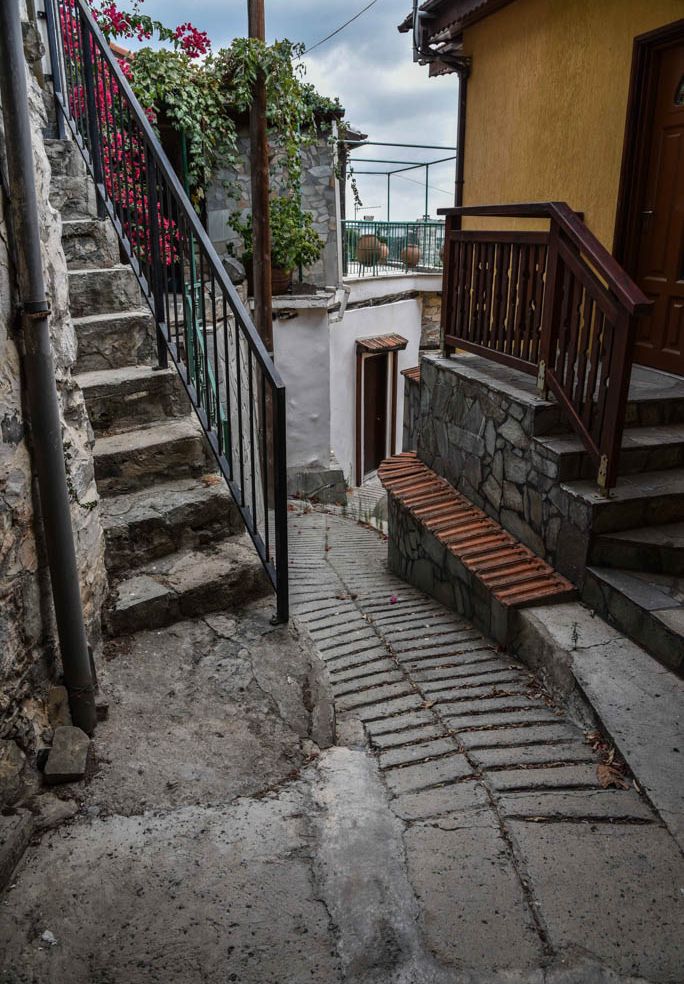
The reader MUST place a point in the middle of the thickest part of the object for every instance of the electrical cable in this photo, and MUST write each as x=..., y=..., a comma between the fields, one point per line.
x=341, y=28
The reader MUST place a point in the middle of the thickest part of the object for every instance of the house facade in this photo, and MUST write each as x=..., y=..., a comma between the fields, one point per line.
x=557, y=410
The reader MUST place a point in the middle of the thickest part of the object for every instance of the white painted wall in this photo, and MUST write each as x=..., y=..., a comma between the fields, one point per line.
x=368, y=288
x=302, y=356
x=402, y=317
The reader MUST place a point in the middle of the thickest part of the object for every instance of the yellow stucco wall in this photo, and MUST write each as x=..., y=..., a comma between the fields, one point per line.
x=547, y=101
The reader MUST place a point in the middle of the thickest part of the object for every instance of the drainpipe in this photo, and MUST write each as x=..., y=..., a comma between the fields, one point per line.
x=46, y=429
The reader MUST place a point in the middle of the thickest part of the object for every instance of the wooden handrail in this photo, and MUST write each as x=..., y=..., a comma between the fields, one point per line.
x=561, y=308
x=618, y=281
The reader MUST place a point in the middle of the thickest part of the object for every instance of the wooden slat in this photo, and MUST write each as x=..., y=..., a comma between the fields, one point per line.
x=508, y=569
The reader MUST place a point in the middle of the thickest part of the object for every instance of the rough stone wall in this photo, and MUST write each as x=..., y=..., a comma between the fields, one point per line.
x=431, y=336
x=411, y=414
x=27, y=637
x=230, y=191
x=480, y=437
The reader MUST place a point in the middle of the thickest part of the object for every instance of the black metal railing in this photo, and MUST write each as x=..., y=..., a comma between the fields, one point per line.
x=371, y=249
x=202, y=325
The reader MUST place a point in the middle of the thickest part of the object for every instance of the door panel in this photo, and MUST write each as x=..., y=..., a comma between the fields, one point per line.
x=660, y=266
x=374, y=411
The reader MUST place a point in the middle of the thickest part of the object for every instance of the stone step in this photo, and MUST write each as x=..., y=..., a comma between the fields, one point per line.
x=142, y=526
x=647, y=499
x=655, y=398
x=644, y=449
x=132, y=397
x=102, y=290
x=72, y=193
x=187, y=584
x=89, y=243
x=111, y=341
x=659, y=549
x=141, y=458
x=649, y=608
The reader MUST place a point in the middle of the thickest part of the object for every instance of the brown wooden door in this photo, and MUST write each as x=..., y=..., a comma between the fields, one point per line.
x=660, y=264
x=374, y=411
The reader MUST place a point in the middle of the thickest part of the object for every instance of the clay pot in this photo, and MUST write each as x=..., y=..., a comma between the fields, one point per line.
x=410, y=255
x=368, y=250
x=281, y=280
x=384, y=252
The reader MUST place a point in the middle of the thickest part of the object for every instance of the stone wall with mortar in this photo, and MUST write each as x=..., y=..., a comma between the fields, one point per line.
x=230, y=191
x=28, y=651
x=477, y=428
x=431, y=337
x=409, y=440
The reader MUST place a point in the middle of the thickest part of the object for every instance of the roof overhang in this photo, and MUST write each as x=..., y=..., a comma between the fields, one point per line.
x=441, y=27
x=381, y=343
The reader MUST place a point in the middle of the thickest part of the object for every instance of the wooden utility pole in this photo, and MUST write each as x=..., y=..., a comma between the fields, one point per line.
x=258, y=140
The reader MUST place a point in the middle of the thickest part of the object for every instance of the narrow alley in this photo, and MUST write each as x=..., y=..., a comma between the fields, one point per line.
x=453, y=831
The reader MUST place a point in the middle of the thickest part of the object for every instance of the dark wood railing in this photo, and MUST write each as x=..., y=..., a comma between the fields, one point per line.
x=555, y=304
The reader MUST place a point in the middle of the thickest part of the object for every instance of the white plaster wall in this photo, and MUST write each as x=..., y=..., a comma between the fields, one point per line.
x=302, y=356
x=402, y=317
x=368, y=288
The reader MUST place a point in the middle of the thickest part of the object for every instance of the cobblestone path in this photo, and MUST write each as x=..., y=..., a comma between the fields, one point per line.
x=553, y=863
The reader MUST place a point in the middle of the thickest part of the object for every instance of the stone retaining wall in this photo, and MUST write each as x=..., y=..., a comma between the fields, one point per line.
x=431, y=337
x=478, y=421
x=230, y=191
x=28, y=651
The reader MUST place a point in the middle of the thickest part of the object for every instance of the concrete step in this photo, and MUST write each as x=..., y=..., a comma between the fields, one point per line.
x=644, y=449
x=650, y=498
x=655, y=398
x=132, y=397
x=102, y=290
x=71, y=191
x=142, y=526
x=187, y=584
x=89, y=243
x=649, y=608
x=142, y=458
x=659, y=549
x=111, y=341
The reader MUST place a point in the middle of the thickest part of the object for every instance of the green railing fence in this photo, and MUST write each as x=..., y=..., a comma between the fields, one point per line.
x=372, y=248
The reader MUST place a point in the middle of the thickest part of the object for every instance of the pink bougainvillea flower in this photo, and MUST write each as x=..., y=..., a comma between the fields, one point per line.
x=393, y=600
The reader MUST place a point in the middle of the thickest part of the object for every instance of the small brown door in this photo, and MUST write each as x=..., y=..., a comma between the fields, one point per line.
x=660, y=256
x=374, y=411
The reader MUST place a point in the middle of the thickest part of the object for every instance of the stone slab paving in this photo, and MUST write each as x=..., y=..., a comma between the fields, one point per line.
x=520, y=862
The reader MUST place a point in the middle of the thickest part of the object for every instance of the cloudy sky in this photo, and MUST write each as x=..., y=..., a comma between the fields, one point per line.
x=370, y=68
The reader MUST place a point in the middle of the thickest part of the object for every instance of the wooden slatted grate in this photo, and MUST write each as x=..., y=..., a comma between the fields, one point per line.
x=512, y=572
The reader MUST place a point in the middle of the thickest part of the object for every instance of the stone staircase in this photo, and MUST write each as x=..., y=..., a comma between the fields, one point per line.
x=175, y=542
x=511, y=454
x=635, y=572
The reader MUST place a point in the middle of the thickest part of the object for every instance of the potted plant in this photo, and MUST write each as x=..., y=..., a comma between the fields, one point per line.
x=294, y=241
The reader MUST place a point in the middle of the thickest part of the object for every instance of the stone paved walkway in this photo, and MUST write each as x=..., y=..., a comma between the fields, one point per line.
x=516, y=854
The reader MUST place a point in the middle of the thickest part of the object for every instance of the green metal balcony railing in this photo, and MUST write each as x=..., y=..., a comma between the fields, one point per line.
x=370, y=248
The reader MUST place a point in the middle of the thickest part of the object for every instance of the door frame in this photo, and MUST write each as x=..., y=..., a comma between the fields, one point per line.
x=637, y=141
x=392, y=356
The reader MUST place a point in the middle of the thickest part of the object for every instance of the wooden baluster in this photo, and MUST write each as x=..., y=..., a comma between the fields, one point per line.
x=551, y=312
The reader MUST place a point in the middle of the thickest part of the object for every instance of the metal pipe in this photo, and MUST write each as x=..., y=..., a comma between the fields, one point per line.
x=46, y=428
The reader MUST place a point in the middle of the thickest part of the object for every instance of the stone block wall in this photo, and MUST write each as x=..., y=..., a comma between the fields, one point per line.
x=28, y=651
x=431, y=337
x=477, y=428
x=411, y=414
x=230, y=191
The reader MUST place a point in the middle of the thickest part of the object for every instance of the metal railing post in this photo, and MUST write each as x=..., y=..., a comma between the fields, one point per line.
x=95, y=145
x=55, y=66
x=280, y=506
x=156, y=257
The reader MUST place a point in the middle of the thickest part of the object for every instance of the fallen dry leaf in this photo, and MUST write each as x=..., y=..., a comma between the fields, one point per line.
x=608, y=775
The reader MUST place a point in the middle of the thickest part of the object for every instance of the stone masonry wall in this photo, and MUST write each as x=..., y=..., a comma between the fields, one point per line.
x=230, y=191
x=27, y=640
x=431, y=337
x=477, y=428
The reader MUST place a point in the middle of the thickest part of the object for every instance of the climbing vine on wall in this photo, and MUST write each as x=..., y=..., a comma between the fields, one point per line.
x=205, y=94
